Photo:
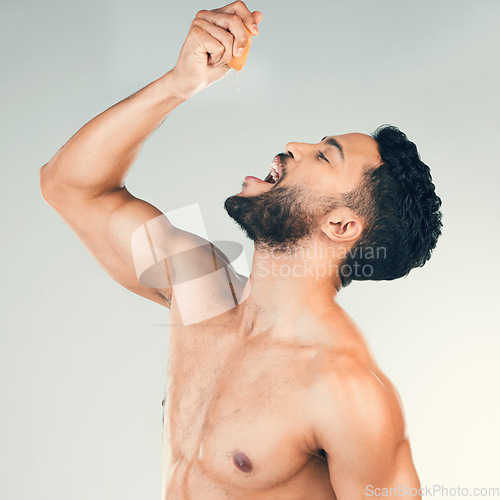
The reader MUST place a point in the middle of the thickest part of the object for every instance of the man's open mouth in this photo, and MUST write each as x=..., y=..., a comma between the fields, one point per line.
x=274, y=171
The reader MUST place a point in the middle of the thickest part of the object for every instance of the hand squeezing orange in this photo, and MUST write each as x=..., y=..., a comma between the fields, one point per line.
x=238, y=62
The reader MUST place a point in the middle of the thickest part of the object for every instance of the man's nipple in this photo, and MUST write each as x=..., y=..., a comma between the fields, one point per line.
x=242, y=462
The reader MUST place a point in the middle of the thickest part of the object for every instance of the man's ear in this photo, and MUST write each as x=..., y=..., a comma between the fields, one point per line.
x=342, y=225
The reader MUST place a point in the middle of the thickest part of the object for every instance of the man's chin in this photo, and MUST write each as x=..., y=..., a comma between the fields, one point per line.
x=276, y=217
x=232, y=204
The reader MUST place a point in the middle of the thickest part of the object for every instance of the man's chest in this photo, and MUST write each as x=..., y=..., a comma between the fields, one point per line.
x=237, y=409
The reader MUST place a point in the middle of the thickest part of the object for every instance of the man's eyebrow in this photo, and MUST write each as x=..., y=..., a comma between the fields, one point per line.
x=331, y=141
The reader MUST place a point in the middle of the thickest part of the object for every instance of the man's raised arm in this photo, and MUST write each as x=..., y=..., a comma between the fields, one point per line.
x=85, y=181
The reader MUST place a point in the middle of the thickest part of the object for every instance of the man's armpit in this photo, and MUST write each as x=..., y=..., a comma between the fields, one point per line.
x=176, y=262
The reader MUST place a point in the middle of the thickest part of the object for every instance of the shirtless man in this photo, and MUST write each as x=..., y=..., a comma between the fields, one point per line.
x=275, y=396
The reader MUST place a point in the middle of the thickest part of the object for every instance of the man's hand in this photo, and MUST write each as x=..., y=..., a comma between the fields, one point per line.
x=214, y=39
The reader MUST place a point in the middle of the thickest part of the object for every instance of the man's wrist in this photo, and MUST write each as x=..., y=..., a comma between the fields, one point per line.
x=179, y=87
x=170, y=89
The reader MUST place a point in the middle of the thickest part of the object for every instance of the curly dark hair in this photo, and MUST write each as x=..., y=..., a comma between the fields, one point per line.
x=401, y=210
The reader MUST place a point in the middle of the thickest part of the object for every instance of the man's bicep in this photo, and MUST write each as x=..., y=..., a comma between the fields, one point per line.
x=105, y=224
x=139, y=248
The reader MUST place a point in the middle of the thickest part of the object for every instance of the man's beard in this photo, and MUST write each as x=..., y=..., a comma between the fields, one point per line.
x=281, y=218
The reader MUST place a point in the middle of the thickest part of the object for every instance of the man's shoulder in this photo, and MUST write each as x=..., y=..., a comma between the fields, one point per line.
x=351, y=395
x=348, y=394
x=344, y=369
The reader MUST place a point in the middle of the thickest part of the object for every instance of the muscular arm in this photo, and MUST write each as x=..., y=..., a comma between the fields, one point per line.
x=85, y=181
x=361, y=428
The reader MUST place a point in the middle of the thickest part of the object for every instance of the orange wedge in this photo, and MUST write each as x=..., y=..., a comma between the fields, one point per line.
x=238, y=62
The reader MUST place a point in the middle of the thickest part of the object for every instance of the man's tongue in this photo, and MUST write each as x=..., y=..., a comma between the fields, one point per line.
x=253, y=178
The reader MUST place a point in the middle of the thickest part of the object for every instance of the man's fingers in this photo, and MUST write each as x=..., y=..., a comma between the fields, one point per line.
x=206, y=44
x=230, y=23
x=224, y=51
x=242, y=11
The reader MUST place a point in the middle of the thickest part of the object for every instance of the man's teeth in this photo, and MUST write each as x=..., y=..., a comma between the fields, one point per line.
x=274, y=172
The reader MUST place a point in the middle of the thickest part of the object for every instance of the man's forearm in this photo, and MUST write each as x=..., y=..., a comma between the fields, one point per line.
x=97, y=158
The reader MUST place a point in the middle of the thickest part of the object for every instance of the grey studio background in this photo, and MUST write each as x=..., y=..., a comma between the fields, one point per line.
x=83, y=360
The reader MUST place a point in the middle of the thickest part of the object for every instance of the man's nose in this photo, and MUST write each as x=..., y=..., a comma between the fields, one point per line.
x=293, y=149
x=297, y=150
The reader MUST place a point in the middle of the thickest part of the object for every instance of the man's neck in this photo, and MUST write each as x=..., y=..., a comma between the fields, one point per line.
x=284, y=285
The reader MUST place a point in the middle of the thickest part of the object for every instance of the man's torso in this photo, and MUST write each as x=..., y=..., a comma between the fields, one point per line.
x=233, y=397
